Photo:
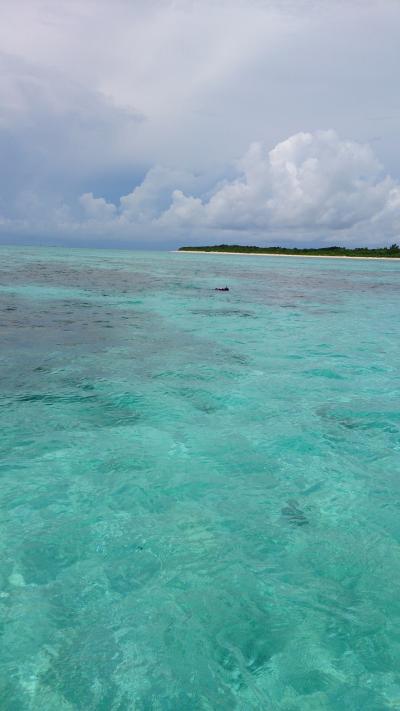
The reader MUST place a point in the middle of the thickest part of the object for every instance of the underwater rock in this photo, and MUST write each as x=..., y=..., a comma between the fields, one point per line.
x=294, y=514
x=17, y=580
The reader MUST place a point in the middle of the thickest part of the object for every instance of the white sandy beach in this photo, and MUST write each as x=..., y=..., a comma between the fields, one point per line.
x=296, y=256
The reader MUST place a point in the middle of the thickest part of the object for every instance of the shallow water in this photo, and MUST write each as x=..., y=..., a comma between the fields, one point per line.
x=200, y=491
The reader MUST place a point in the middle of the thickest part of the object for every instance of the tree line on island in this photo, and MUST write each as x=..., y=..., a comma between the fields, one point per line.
x=392, y=251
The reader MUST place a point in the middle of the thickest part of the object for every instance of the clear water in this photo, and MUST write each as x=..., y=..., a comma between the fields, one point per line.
x=200, y=491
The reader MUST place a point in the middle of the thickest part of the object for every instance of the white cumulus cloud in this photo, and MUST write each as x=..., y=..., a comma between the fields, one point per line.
x=97, y=208
x=310, y=181
x=310, y=188
x=153, y=196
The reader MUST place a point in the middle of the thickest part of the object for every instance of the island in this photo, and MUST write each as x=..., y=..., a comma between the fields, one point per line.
x=392, y=252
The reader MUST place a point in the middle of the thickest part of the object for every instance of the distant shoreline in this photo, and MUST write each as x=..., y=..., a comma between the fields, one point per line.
x=280, y=254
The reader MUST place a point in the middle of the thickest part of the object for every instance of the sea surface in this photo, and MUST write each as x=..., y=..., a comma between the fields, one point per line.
x=200, y=491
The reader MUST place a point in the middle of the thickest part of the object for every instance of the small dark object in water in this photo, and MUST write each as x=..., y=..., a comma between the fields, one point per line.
x=222, y=288
x=294, y=514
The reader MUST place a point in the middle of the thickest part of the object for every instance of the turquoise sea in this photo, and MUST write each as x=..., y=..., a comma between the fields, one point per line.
x=200, y=491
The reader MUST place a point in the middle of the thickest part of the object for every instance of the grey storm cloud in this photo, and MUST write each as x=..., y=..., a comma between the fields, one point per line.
x=173, y=94
x=53, y=131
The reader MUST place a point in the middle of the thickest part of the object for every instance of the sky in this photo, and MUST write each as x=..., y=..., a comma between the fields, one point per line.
x=156, y=123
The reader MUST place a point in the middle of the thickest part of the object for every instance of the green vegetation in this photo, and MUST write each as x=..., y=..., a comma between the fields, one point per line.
x=392, y=251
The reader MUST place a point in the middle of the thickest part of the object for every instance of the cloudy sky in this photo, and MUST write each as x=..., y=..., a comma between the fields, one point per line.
x=154, y=123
